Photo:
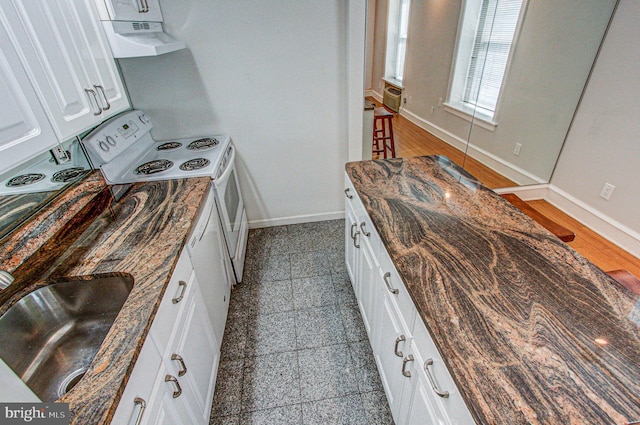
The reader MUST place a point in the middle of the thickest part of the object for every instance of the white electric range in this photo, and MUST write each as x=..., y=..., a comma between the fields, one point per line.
x=123, y=149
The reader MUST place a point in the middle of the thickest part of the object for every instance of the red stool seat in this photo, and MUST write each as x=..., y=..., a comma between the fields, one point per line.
x=383, y=133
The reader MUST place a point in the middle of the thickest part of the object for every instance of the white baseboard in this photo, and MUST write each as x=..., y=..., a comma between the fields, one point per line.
x=377, y=96
x=297, y=219
x=499, y=165
x=610, y=229
x=530, y=192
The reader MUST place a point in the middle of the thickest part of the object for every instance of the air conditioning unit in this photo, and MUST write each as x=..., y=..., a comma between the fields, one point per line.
x=392, y=98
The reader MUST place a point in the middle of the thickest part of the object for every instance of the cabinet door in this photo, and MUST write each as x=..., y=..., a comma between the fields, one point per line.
x=169, y=404
x=391, y=343
x=133, y=10
x=69, y=61
x=351, y=245
x=24, y=129
x=135, y=402
x=367, y=277
x=199, y=355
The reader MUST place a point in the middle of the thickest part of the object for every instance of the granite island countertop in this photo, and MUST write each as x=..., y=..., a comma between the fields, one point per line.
x=141, y=235
x=530, y=330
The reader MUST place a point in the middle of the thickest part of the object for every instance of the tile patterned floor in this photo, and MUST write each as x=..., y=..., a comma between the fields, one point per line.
x=295, y=350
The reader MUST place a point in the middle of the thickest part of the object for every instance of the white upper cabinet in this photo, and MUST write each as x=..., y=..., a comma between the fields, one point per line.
x=129, y=10
x=69, y=61
x=24, y=129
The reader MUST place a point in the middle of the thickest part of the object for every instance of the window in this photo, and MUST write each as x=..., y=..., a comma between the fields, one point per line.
x=397, y=28
x=484, y=45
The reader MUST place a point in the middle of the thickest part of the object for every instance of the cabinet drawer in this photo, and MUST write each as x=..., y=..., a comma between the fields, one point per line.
x=172, y=303
x=429, y=361
x=137, y=395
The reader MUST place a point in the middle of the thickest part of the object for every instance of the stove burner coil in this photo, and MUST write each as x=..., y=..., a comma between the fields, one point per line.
x=202, y=144
x=152, y=167
x=194, y=164
x=65, y=176
x=169, y=146
x=25, y=179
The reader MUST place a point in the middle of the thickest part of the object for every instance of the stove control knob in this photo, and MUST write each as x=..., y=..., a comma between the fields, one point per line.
x=111, y=140
x=103, y=146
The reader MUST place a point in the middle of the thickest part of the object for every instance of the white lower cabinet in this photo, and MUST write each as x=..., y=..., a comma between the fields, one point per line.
x=174, y=377
x=418, y=386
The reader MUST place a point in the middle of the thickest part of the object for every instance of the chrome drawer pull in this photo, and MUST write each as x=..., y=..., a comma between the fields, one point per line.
x=406, y=360
x=173, y=379
x=346, y=192
x=179, y=298
x=91, y=93
x=364, y=232
x=182, y=365
x=443, y=394
x=387, y=281
x=143, y=405
x=353, y=226
x=398, y=341
x=104, y=96
x=355, y=240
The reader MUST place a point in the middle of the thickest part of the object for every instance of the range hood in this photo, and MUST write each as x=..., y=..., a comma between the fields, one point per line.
x=130, y=39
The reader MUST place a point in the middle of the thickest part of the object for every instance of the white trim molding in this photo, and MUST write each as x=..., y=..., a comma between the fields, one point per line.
x=297, y=219
x=532, y=192
x=612, y=230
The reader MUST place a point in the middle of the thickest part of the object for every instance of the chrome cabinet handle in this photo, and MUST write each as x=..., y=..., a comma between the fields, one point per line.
x=91, y=93
x=353, y=226
x=387, y=281
x=143, y=405
x=398, y=341
x=346, y=192
x=180, y=360
x=140, y=6
x=179, y=298
x=100, y=89
x=364, y=232
x=173, y=379
x=406, y=360
x=443, y=394
x=146, y=6
x=355, y=240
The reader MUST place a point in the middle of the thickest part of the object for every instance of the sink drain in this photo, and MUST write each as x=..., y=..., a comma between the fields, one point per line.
x=70, y=381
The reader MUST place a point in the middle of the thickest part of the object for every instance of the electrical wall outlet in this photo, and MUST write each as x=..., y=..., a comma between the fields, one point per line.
x=516, y=149
x=433, y=110
x=440, y=103
x=60, y=155
x=404, y=100
x=607, y=190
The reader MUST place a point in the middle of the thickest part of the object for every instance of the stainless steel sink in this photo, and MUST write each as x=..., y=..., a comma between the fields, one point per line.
x=50, y=336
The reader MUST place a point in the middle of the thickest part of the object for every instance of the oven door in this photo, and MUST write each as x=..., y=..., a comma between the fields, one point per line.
x=229, y=199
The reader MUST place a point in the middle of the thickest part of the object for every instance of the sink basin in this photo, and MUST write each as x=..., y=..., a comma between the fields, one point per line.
x=50, y=336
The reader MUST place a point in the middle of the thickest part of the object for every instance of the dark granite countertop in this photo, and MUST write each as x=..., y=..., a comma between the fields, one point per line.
x=531, y=331
x=87, y=233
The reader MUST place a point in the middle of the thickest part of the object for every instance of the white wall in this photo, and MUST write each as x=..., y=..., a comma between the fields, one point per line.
x=272, y=74
x=604, y=142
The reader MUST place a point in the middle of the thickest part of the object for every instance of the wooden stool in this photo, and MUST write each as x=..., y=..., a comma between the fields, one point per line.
x=383, y=133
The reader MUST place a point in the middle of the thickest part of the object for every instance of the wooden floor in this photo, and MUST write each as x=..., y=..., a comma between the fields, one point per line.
x=411, y=140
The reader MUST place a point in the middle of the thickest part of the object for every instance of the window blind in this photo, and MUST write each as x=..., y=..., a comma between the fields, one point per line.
x=403, y=27
x=494, y=37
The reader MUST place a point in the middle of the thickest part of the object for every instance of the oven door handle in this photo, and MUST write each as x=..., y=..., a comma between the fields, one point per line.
x=230, y=164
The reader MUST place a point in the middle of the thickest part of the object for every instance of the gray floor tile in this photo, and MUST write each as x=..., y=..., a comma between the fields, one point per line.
x=326, y=372
x=270, y=297
x=234, y=341
x=367, y=374
x=316, y=327
x=353, y=324
x=336, y=262
x=344, y=290
x=275, y=267
x=228, y=392
x=225, y=420
x=286, y=415
x=376, y=408
x=271, y=333
x=316, y=291
x=307, y=264
x=270, y=381
x=240, y=302
x=343, y=410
